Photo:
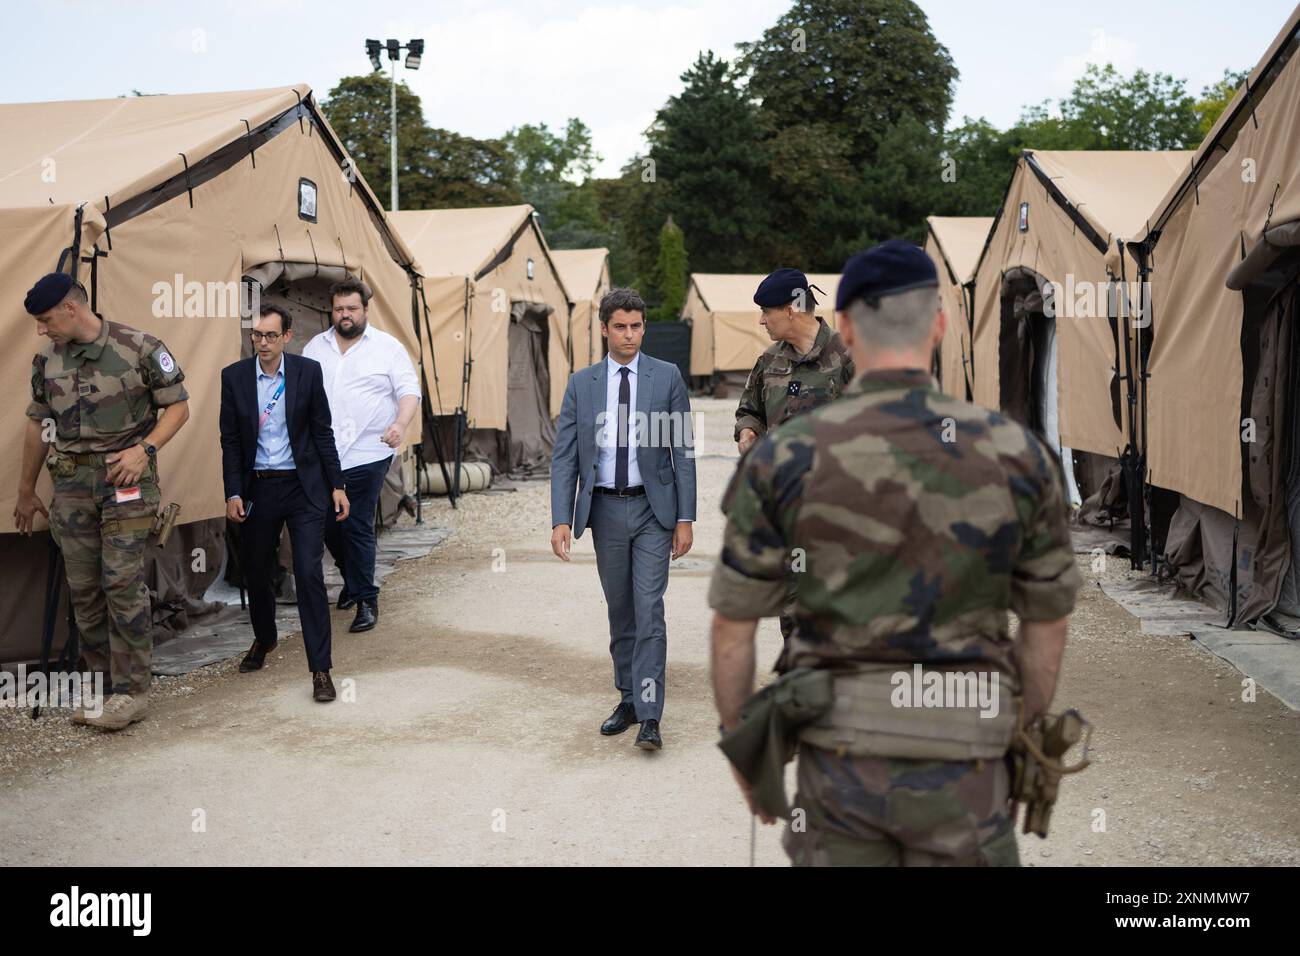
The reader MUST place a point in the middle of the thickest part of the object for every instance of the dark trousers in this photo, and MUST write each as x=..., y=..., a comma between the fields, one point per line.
x=280, y=503
x=352, y=542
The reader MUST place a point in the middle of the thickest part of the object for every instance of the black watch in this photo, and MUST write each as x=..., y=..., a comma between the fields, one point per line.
x=150, y=450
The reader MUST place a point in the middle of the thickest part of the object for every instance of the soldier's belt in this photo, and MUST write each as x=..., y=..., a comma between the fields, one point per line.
x=89, y=457
x=863, y=722
x=93, y=458
x=158, y=525
x=125, y=525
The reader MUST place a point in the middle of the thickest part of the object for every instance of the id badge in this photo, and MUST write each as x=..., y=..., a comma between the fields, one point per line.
x=123, y=495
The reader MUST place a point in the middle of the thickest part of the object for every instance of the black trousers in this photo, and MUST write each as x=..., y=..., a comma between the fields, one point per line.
x=280, y=503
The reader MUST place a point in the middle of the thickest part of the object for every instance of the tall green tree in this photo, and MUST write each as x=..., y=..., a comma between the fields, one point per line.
x=706, y=149
x=854, y=67
x=671, y=273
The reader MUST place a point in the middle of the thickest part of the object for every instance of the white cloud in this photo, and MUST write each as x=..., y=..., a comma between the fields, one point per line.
x=487, y=70
x=1104, y=49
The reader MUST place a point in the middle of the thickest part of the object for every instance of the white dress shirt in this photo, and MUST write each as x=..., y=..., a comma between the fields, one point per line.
x=363, y=385
x=607, y=445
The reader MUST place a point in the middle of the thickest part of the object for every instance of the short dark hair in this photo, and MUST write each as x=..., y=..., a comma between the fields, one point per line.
x=286, y=320
x=620, y=300
x=78, y=294
x=348, y=287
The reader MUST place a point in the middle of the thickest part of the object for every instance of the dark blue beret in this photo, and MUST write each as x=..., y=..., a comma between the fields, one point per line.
x=887, y=269
x=48, y=292
x=782, y=287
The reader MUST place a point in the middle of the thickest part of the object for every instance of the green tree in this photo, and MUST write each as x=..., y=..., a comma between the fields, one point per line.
x=1106, y=110
x=908, y=172
x=670, y=274
x=1215, y=99
x=542, y=157
x=358, y=108
x=552, y=171
x=635, y=208
x=706, y=150
x=975, y=168
x=436, y=168
x=855, y=67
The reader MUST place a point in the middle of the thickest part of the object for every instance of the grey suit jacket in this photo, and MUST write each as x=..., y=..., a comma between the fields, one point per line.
x=665, y=451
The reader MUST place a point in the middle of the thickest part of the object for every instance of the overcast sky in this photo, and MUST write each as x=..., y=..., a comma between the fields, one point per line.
x=493, y=64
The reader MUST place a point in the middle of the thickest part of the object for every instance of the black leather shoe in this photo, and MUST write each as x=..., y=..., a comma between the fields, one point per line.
x=346, y=601
x=624, y=716
x=648, y=738
x=256, y=656
x=322, y=688
x=367, y=615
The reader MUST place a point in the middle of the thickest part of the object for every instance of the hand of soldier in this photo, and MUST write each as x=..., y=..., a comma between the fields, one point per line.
x=341, y=505
x=126, y=466
x=683, y=537
x=749, y=796
x=747, y=438
x=29, y=502
x=562, y=541
x=235, y=510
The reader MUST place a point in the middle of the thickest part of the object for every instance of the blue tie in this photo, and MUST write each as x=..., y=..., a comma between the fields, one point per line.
x=620, y=457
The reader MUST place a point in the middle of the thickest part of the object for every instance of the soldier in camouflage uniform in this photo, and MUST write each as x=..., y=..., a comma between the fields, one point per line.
x=806, y=366
x=102, y=386
x=921, y=520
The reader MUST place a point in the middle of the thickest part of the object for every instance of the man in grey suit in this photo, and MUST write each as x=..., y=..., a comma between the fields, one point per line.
x=624, y=466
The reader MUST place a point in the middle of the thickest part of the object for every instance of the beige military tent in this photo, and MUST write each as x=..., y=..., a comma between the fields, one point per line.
x=586, y=275
x=1223, y=435
x=726, y=339
x=498, y=316
x=166, y=207
x=1049, y=346
x=955, y=243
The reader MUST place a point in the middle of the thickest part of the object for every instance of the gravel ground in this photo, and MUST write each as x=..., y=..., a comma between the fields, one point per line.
x=472, y=738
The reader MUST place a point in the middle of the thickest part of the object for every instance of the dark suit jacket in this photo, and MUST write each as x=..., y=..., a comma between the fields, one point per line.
x=307, y=414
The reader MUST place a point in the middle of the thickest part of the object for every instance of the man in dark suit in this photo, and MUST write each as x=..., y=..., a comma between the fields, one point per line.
x=624, y=465
x=281, y=468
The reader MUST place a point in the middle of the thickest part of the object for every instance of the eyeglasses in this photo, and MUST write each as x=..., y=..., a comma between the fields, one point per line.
x=269, y=336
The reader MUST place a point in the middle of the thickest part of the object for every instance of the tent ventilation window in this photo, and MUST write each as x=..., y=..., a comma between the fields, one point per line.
x=306, y=200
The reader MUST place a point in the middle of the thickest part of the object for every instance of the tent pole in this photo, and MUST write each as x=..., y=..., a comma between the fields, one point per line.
x=1129, y=462
x=427, y=403
x=968, y=290
x=1144, y=353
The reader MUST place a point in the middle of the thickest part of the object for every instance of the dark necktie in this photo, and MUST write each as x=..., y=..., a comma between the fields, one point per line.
x=620, y=457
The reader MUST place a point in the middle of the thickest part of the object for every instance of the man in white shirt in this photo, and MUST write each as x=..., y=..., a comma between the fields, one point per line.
x=373, y=394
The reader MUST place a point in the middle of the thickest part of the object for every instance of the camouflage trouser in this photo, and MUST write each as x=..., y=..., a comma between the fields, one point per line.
x=105, y=568
x=875, y=811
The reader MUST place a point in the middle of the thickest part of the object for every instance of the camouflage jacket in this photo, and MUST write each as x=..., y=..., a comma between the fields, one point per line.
x=784, y=383
x=910, y=523
x=104, y=395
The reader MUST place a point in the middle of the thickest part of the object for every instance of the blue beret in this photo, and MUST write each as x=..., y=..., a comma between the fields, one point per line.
x=887, y=269
x=48, y=292
x=782, y=287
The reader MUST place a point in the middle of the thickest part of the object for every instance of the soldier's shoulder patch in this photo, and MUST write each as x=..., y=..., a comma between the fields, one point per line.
x=166, y=362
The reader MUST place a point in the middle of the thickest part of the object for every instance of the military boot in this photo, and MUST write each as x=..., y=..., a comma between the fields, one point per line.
x=121, y=711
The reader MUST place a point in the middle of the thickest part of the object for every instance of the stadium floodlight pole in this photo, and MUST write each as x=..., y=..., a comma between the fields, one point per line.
x=415, y=52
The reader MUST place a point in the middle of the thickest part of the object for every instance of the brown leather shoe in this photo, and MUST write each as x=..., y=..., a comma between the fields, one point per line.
x=256, y=656
x=322, y=688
